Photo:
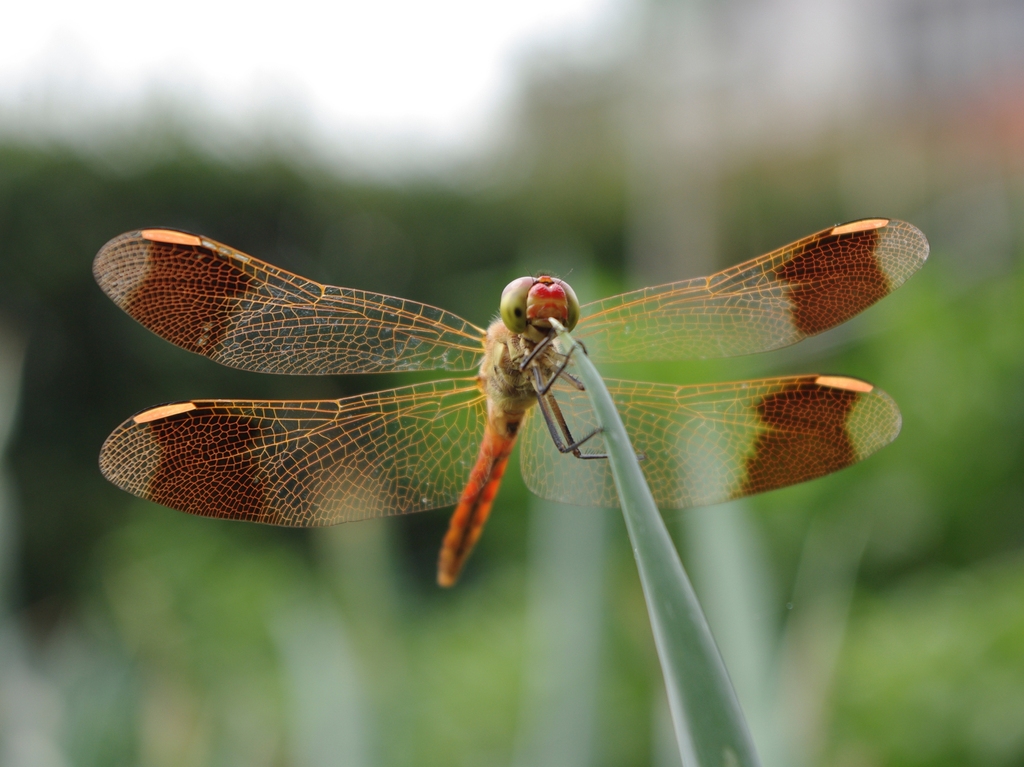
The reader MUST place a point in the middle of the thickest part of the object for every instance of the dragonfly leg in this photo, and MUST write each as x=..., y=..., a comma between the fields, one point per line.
x=573, y=447
x=545, y=401
x=577, y=383
x=543, y=388
x=537, y=349
x=559, y=429
x=544, y=343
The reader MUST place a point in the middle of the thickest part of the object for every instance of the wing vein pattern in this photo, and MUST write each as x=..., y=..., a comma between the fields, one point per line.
x=772, y=301
x=304, y=463
x=712, y=443
x=242, y=312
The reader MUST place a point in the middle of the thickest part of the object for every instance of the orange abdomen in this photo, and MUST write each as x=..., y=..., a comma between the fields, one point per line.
x=475, y=504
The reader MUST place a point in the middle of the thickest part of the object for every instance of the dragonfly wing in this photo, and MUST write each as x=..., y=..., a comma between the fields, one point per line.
x=712, y=443
x=242, y=312
x=303, y=464
x=778, y=299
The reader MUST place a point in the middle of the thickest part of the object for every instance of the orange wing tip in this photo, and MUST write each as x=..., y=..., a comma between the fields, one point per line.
x=842, y=382
x=864, y=225
x=164, y=411
x=170, y=236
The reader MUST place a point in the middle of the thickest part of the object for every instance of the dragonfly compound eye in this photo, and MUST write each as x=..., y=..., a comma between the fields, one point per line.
x=572, y=304
x=513, y=304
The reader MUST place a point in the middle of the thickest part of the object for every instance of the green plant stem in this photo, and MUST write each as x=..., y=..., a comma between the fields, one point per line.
x=709, y=723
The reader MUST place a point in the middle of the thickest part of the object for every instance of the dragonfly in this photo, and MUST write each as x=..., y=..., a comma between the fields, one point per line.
x=447, y=442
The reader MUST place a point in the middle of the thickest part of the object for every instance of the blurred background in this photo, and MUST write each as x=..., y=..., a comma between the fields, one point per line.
x=435, y=151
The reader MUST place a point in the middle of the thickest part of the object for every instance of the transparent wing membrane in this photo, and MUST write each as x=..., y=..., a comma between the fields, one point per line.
x=303, y=463
x=242, y=312
x=707, y=444
x=775, y=300
x=413, y=448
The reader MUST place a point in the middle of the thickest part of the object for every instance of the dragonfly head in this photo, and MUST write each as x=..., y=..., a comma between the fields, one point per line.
x=529, y=303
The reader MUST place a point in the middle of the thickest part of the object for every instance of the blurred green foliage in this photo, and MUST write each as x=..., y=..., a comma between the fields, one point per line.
x=167, y=639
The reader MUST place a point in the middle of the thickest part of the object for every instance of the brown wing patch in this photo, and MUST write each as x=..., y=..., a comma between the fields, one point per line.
x=187, y=294
x=206, y=467
x=834, y=277
x=805, y=435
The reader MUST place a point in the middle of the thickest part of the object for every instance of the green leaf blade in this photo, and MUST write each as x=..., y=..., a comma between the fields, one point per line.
x=709, y=724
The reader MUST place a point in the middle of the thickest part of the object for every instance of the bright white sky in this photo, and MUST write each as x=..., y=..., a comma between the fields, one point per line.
x=373, y=72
